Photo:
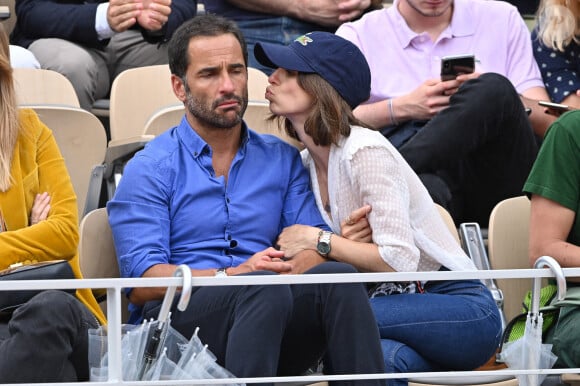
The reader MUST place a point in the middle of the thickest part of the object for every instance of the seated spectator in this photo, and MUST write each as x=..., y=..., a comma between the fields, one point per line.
x=468, y=139
x=556, y=48
x=214, y=195
x=554, y=187
x=46, y=339
x=91, y=42
x=20, y=57
x=281, y=22
x=318, y=80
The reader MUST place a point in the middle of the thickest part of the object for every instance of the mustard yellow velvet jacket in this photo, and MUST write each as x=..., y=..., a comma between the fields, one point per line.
x=38, y=166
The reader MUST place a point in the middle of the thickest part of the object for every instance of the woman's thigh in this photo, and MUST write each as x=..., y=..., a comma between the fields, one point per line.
x=454, y=323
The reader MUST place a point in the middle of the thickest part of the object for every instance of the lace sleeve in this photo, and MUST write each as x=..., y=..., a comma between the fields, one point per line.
x=380, y=178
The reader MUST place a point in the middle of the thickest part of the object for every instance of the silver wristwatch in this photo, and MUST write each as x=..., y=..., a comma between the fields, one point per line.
x=323, y=245
x=221, y=272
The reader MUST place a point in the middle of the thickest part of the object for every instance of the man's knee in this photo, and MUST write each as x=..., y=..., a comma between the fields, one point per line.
x=54, y=305
x=333, y=267
x=495, y=88
x=275, y=300
x=437, y=188
x=55, y=298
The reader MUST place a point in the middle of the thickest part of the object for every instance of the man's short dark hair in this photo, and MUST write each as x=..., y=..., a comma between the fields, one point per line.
x=201, y=25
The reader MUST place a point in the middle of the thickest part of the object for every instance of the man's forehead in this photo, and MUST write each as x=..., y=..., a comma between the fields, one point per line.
x=215, y=46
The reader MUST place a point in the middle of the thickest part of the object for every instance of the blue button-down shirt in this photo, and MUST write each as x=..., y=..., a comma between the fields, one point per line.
x=169, y=207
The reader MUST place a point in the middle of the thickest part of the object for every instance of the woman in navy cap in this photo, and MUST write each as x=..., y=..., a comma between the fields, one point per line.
x=363, y=185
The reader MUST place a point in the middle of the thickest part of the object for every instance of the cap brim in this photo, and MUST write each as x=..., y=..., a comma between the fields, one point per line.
x=275, y=55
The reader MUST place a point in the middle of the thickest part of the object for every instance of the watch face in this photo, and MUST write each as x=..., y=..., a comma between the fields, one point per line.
x=323, y=248
x=221, y=272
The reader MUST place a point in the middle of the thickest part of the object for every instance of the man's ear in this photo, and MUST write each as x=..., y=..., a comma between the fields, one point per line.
x=178, y=87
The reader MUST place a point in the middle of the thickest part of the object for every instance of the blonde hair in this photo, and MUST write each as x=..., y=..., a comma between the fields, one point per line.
x=558, y=23
x=9, y=124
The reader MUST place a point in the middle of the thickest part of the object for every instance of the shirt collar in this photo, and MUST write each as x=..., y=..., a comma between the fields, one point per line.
x=197, y=146
x=461, y=23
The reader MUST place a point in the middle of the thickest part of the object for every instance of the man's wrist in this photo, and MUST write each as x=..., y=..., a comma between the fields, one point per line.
x=102, y=27
x=391, y=109
x=221, y=272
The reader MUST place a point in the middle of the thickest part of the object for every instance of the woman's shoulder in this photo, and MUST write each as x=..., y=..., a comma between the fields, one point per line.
x=361, y=137
x=31, y=126
x=27, y=115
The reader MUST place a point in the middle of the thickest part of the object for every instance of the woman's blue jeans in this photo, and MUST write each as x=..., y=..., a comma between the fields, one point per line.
x=454, y=325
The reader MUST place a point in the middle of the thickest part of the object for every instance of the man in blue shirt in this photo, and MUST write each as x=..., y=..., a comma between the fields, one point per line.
x=214, y=195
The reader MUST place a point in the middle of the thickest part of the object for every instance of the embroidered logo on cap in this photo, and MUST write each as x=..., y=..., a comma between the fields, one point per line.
x=304, y=40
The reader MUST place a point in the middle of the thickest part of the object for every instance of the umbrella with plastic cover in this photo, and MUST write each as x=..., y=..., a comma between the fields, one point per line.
x=154, y=350
x=528, y=352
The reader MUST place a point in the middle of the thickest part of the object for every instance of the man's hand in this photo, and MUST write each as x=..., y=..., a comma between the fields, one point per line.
x=40, y=208
x=305, y=260
x=155, y=14
x=425, y=101
x=330, y=13
x=459, y=81
x=351, y=9
x=431, y=97
x=122, y=14
x=269, y=259
x=356, y=226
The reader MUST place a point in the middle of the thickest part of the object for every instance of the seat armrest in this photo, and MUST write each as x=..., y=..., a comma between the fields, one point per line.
x=473, y=244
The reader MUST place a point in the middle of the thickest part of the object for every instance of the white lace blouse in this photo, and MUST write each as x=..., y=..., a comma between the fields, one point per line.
x=366, y=169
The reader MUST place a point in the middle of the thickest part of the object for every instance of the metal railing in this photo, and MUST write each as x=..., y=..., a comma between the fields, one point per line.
x=114, y=288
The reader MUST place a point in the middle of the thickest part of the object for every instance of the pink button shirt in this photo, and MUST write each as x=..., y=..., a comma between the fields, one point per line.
x=400, y=59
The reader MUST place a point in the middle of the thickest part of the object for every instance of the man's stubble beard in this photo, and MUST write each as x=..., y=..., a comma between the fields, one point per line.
x=198, y=108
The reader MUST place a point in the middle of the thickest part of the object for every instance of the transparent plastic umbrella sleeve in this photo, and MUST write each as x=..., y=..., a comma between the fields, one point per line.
x=528, y=352
x=155, y=339
x=154, y=350
x=141, y=344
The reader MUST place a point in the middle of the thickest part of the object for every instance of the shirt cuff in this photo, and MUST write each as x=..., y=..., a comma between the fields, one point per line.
x=104, y=31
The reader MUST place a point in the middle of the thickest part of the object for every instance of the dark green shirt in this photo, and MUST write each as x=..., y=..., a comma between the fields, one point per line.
x=556, y=172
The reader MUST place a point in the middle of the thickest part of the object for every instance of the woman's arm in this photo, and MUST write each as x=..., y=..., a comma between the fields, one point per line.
x=364, y=256
x=57, y=237
x=378, y=175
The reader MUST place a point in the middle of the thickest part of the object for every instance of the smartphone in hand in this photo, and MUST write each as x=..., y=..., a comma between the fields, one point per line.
x=4, y=12
x=557, y=107
x=451, y=66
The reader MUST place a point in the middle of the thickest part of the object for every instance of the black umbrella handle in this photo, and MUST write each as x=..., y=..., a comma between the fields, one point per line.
x=151, y=350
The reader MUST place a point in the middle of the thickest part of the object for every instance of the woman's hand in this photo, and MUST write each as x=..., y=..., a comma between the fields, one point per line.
x=297, y=238
x=40, y=208
x=356, y=226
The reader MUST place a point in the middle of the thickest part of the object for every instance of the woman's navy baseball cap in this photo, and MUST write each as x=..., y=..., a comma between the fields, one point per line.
x=334, y=58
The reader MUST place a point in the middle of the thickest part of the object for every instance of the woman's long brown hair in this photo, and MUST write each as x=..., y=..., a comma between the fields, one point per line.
x=9, y=124
x=331, y=116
